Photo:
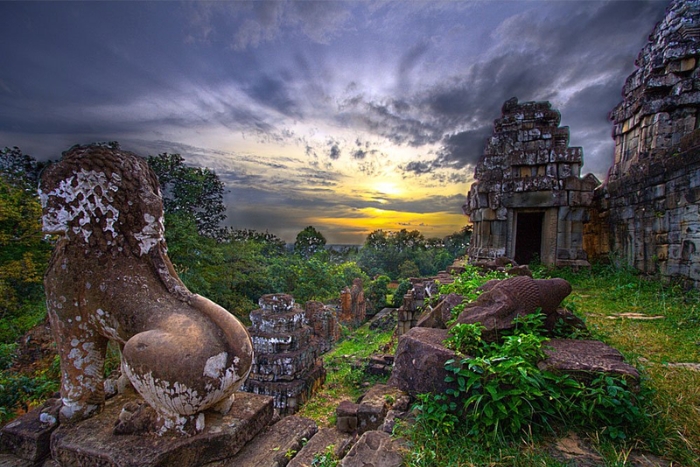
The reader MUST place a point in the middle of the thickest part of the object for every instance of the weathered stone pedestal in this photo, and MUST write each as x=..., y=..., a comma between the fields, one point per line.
x=92, y=442
x=285, y=365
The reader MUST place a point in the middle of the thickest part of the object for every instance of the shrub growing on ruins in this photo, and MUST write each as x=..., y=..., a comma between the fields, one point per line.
x=376, y=292
x=401, y=290
x=501, y=394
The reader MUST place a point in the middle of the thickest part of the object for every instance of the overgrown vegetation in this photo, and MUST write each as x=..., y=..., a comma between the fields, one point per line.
x=345, y=372
x=503, y=409
x=656, y=326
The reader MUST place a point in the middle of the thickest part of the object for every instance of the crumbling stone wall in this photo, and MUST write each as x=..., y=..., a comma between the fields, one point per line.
x=324, y=322
x=353, y=308
x=285, y=364
x=529, y=199
x=414, y=300
x=647, y=213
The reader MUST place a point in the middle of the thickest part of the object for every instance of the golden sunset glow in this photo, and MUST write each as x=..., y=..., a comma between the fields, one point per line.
x=434, y=224
x=318, y=117
x=388, y=188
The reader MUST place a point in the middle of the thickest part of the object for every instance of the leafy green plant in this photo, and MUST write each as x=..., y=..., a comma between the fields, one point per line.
x=7, y=355
x=289, y=455
x=18, y=391
x=326, y=458
x=609, y=403
x=436, y=413
x=466, y=339
x=502, y=393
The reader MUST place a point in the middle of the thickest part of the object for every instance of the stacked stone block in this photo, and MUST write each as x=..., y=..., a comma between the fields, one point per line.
x=285, y=365
x=662, y=96
x=324, y=322
x=527, y=167
x=353, y=308
x=414, y=301
x=647, y=214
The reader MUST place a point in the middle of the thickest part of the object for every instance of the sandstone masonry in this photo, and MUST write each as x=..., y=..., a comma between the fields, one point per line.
x=285, y=365
x=646, y=214
x=529, y=200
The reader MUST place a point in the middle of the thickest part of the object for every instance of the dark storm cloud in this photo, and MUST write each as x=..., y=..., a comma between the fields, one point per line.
x=429, y=77
x=418, y=167
x=541, y=57
x=463, y=148
x=391, y=120
x=333, y=150
x=359, y=154
x=251, y=24
x=273, y=92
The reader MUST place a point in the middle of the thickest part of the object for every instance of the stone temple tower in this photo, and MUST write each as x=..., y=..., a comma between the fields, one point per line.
x=648, y=212
x=529, y=200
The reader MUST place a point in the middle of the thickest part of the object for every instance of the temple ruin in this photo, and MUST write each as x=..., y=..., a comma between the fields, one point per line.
x=646, y=215
x=285, y=364
x=353, y=308
x=529, y=200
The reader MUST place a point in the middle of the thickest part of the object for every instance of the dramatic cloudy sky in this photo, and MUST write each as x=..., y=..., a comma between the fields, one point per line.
x=348, y=116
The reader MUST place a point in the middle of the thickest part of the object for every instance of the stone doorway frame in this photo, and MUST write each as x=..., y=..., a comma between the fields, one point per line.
x=548, y=233
x=534, y=221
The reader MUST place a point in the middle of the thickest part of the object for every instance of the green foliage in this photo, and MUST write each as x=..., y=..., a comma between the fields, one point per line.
x=192, y=191
x=502, y=394
x=401, y=290
x=232, y=273
x=19, y=169
x=24, y=252
x=403, y=254
x=326, y=458
x=18, y=391
x=271, y=245
x=408, y=269
x=456, y=244
x=309, y=242
x=7, y=354
x=466, y=339
x=467, y=283
x=436, y=414
x=376, y=293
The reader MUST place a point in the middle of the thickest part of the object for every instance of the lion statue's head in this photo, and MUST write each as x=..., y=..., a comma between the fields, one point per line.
x=85, y=199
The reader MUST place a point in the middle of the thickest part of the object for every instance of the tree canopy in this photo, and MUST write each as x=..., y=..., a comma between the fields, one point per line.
x=24, y=251
x=309, y=242
x=194, y=191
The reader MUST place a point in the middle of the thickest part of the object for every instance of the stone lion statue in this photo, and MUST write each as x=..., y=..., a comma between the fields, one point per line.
x=110, y=279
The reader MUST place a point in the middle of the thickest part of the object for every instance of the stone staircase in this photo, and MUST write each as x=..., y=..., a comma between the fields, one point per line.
x=249, y=435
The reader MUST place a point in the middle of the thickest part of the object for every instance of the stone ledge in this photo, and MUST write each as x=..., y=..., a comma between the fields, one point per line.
x=584, y=358
x=326, y=438
x=274, y=446
x=91, y=442
x=29, y=436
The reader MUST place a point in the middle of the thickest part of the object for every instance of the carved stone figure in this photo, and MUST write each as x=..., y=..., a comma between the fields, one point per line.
x=110, y=279
x=503, y=301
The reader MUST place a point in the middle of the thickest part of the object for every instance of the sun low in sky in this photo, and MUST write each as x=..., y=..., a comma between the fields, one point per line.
x=348, y=116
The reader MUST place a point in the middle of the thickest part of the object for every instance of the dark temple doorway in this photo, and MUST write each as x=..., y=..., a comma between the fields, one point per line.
x=528, y=237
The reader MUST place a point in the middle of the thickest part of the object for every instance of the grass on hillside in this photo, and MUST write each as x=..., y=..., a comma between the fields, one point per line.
x=345, y=376
x=604, y=296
